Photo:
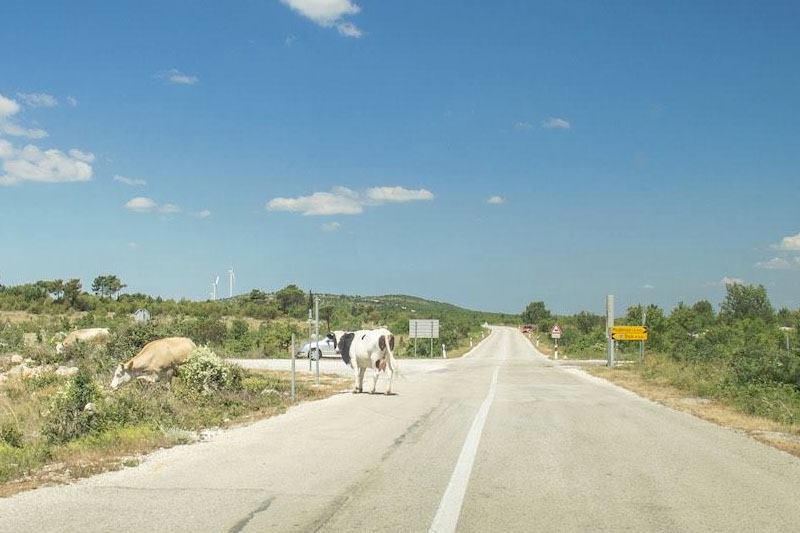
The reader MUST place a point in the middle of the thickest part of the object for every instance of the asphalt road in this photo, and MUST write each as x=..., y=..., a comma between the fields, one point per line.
x=503, y=440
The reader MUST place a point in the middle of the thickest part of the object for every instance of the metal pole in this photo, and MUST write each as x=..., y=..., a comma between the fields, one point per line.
x=641, y=343
x=316, y=332
x=415, y=346
x=309, y=340
x=293, y=358
x=609, y=325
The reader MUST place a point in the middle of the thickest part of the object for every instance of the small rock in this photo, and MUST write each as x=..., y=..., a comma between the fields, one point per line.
x=89, y=407
x=66, y=371
x=16, y=359
x=17, y=370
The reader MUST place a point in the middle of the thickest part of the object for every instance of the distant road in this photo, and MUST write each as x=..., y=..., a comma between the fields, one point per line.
x=503, y=440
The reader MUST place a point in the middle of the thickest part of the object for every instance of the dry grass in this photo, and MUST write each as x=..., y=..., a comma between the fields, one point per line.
x=782, y=436
x=122, y=447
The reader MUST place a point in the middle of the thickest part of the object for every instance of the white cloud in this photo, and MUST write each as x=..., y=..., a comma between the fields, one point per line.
x=205, y=213
x=648, y=287
x=340, y=201
x=348, y=29
x=555, y=122
x=140, y=204
x=46, y=166
x=791, y=242
x=133, y=245
x=38, y=99
x=397, y=194
x=495, y=200
x=81, y=156
x=177, y=77
x=330, y=227
x=9, y=108
x=130, y=181
x=523, y=126
x=72, y=101
x=170, y=209
x=328, y=13
x=731, y=281
x=779, y=263
x=344, y=201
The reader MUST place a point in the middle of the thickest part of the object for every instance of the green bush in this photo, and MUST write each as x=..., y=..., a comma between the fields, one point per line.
x=11, y=435
x=204, y=372
x=67, y=418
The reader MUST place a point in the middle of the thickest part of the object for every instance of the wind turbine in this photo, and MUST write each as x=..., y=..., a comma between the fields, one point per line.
x=231, y=279
x=214, y=289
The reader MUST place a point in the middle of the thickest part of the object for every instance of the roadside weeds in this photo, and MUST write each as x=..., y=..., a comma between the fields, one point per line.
x=39, y=465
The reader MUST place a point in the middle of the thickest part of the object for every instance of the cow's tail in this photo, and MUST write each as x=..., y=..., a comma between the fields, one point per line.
x=387, y=342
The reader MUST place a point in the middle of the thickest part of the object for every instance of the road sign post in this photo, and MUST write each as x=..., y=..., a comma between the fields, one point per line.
x=294, y=356
x=555, y=334
x=423, y=329
x=609, y=325
x=316, y=330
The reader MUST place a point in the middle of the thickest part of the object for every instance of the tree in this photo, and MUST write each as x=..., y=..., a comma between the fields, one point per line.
x=535, y=313
x=257, y=295
x=107, y=285
x=72, y=289
x=586, y=321
x=746, y=301
x=289, y=298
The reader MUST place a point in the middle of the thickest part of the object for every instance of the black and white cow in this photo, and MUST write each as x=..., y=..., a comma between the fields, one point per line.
x=367, y=348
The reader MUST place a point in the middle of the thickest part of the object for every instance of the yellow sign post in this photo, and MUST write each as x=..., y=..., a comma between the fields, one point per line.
x=629, y=333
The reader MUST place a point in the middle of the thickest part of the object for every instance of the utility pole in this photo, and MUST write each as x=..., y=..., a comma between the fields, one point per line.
x=641, y=343
x=609, y=325
x=316, y=330
x=293, y=359
x=309, y=339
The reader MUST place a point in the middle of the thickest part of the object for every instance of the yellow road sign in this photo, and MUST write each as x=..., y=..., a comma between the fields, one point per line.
x=629, y=333
x=629, y=336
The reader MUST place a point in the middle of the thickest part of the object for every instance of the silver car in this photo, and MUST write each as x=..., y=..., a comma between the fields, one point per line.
x=326, y=349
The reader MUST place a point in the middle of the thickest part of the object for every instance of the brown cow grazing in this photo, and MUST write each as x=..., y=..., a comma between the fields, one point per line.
x=158, y=357
x=96, y=335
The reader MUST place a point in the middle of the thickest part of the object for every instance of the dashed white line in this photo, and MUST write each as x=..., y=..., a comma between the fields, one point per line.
x=446, y=518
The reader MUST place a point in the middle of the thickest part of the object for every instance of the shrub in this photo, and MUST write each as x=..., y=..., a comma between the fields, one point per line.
x=67, y=418
x=204, y=372
x=11, y=435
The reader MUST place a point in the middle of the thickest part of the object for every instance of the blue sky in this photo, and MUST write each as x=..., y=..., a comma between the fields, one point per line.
x=353, y=146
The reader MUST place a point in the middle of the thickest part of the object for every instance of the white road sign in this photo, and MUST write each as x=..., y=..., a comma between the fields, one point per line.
x=423, y=329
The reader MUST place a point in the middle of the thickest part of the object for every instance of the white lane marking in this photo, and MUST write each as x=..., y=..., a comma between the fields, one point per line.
x=446, y=518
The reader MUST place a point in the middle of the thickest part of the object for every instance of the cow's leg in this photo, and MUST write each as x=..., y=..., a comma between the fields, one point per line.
x=361, y=373
x=391, y=375
x=375, y=372
x=356, y=370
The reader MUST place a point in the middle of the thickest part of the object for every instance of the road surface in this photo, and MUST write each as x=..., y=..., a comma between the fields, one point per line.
x=503, y=440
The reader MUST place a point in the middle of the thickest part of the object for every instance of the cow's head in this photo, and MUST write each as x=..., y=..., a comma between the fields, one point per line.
x=344, y=342
x=122, y=375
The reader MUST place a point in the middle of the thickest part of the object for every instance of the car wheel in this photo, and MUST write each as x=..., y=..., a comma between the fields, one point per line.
x=314, y=354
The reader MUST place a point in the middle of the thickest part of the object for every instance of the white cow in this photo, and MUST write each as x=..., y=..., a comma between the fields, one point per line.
x=367, y=349
x=96, y=335
x=157, y=357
